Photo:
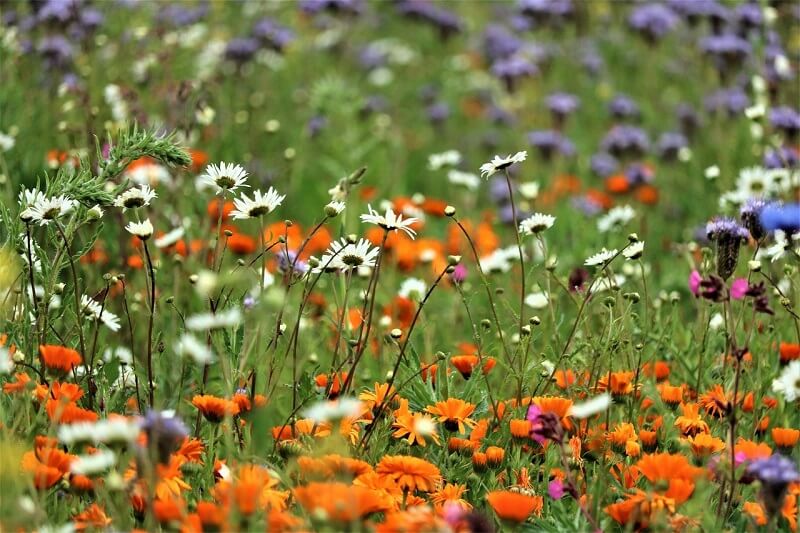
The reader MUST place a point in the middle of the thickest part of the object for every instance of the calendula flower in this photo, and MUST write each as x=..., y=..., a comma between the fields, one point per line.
x=499, y=163
x=261, y=204
x=143, y=229
x=135, y=197
x=225, y=177
x=409, y=473
x=390, y=221
x=59, y=357
x=514, y=507
x=536, y=223
x=453, y=413
x=214, y=409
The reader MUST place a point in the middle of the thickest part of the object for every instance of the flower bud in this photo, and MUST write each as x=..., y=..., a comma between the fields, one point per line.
x=450, y=211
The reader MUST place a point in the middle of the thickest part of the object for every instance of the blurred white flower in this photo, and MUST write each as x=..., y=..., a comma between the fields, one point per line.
x=338, y=409
x=598, y=404
x=537, y=300
x=169, y=238
x=223, y=319
x=499, y=163
x=616, y=218
x=190, y=345
x=634, y=251
x=788, y=383
x=95, y=311
x=390, y=221
x=466, y=179
x=601, y=258
x=93, y=464
x=413, y=289
x=450, y=158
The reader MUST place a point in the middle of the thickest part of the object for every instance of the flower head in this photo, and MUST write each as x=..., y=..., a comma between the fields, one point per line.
x=390, y=221
x=43, y=210
x=143, y=229
x=261, y=204
x=536, y=223
x=224, y=177
x=499, y=163
x=135, y=197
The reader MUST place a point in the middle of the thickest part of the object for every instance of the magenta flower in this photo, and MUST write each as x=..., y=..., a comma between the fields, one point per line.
x=556, y=489
x=739, y=287
x=694, y=282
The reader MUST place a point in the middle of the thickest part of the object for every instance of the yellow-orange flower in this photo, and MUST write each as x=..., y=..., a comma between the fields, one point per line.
x=450, y=494
x=453, y=413
x=340, y=503
x=514, y=506
x=215, y=409
x=409, y=473
x=703, y=444
x=59, y=358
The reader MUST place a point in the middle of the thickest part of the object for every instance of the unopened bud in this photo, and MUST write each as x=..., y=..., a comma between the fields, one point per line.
x=396, y=333
x=449, y=211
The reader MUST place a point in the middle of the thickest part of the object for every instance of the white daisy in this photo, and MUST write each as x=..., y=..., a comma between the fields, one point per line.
x=500, y=260
x=537, y=300
x=190, y=345
x=616, y=218
x=28, y=197
x=634, y=251
x=339, y=409
x=788, y=383
x=499, y=163
x=334, y=208
x=781, y=246
x=6, y=364
x=93, y=464
x=536, y=223
x=390, y=221
x=135, y=197
x=151, y=174
x=44, y=209
x=170, y=238
x=529, y=190
x=95, y=311
x=602, y=283
x=467, y=180
x=143, y=229
x=224, y=177
x=346, y=256
x=596, y=405
x=261, y=204
x=601, y=258
x=449, y=158
x=413, y=289
x=224, y=319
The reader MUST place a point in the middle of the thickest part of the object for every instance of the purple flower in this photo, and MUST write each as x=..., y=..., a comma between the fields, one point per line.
x=728, y=235
x=543, y=10
x=638, y=174
x=550, y=142
x=178, y=15
x=738, y=288
x=556, y=489
x=438, y=112
x=750, y=213
x=775, y=474
x=241, y=49
x=272, y=34
x=603, y=165
x=56, y=49
x=499, y=42
x=653, y=21
x=749, y=15
x=725, y=228
x=165, y=432
x=781, y=217
x=623, y=107
x=562, y=104
x=670, y=143
x=447, y=22
x=459, y=273
x=57, y=11
x=626, y=140
x=316, y=124
x=733, y=100
x=512, y=68
x=586, y=204
x=337, y=6
x=727, y=50
x=782, y=157
x=785, y=119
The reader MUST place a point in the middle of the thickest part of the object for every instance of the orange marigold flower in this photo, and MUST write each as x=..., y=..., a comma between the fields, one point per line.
x=410, y=473
x=170, y=510
x=375, y=399
x=450, y=494
x=514, y=506
x=339, y=502
x=454, y=414
x=416, y=519
x=479, y=461
x=93, y=517
x=191, y=450
x=59, y=358
x=789, y=351
x=670, y=395
x=520, y=429
x=691, y=423
x=22, y=380
x=495, y=456
x=752, y=450
x=660, y=467
x=715, y=402
x=414, y=427
x=48, y=466
x=215, y=409
x=785, y=438
x=703, y=445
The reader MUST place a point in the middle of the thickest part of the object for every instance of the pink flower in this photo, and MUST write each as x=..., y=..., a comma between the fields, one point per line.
x=556, y=489
x=694, y=282
x=738, y=288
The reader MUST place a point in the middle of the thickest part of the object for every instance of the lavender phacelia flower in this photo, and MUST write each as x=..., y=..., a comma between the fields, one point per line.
x=653, y=21
x=625, y=140
x=551, y=142
x=670, y=144
x=750, y=213
x=728, y=235
x=786, y=119
x=165, y=432
x=775, y=473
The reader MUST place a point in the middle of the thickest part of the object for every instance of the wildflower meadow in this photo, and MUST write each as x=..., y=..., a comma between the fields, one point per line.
x=399, y=265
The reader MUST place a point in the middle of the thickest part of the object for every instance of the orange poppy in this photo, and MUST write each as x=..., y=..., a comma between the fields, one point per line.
x=464, y=364
x=514, y=506
x=215, y=409
x=617, y=184
x=59, y=358
x=241, y=244
x=409, y=473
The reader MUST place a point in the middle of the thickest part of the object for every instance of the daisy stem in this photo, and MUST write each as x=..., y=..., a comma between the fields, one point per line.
x=152, y=302
x=220, y=211
x=348, y=279
x=39, y=331
x=519, y=248
x=263, y=256
x=133, y=351
x=77, y=293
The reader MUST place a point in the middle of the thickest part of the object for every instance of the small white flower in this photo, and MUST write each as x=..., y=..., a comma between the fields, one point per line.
x=788, y=383
x=596, y=405
x=95, y=213
x=616, y=218
x=712, y=172
x=529, y=190
x=224, y=319
x=143, y=229
x=6, y=364
x=338, y=409
x=6, y=142
x=537, y=300
x=634, y=251
x=96, y=463
x=602, y=283
x=717, y=322
x=601, y=258
x=500, y=260
x=224, y=177
x=346, y=256
x=169, y=238
x=190, y=345
x=29, y=197
x=449, y=158
x=135, y=197
x=390, y=221
x=260, y=205
x=119, y=352
x=468, y=180
x=334, y=208
x=536, y=223
x=95, y=311
x=499, y=163
x=413, y=289
x=44, y=209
